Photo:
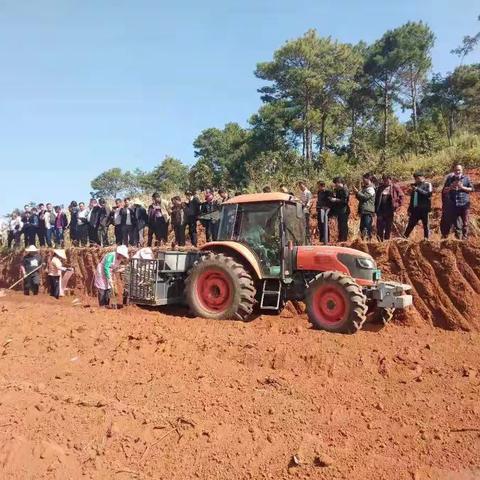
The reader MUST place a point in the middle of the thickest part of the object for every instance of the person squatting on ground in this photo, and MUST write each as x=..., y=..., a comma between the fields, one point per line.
x=420, y=204
x=158, y=220
x=31, y=265
x=388, y=198
x=104, y=281
x=340, y=208
x=323, y=209
x=456, y=203
x=55, y=270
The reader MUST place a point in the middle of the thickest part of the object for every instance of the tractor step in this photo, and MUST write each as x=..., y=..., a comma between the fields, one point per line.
x=271, y=294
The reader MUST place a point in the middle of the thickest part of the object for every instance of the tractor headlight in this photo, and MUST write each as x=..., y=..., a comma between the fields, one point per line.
x=367, y=263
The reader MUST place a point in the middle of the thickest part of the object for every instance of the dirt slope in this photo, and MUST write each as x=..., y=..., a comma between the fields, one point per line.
x=445, y=276
x=139, y=394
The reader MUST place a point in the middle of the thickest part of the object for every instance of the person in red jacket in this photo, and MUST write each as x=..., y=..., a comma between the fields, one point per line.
x=388, y=198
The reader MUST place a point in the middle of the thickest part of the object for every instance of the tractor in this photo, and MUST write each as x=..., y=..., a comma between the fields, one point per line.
x=260, y=260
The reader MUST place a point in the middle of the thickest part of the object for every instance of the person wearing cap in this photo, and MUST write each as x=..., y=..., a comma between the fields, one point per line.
x=420, y=204
x=158, y=219
x=30, y=266
x=55, y=270
x=104, y=272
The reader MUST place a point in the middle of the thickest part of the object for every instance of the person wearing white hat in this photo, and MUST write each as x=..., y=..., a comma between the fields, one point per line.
x=104, y=281
x=31, y=265
x=55, y=270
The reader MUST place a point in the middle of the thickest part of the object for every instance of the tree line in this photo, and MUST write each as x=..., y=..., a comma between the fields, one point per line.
x=329, y=107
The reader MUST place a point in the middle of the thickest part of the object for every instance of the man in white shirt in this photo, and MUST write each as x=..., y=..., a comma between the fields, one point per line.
x=14, y=230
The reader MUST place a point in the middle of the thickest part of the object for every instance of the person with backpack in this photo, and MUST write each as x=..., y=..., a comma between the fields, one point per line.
x=420, y=204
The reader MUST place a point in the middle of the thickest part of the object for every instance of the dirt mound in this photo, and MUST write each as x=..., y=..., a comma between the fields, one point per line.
x=445, y=276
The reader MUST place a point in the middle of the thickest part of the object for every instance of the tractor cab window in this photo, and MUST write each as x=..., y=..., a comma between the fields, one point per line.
x=258, y=226
x=294, y=223
x=227, y=222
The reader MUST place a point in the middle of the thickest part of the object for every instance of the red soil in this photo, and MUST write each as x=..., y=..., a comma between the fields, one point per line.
x=140, y=394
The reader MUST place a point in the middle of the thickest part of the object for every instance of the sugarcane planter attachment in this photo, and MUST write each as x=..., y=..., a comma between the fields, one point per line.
x=261, y=260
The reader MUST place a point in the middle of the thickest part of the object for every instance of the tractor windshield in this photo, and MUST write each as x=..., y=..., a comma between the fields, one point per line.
x=258, y=226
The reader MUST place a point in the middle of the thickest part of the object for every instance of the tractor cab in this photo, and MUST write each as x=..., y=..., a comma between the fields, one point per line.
x=266, y=224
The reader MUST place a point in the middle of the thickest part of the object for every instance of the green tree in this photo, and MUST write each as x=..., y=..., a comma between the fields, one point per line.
x=415, y=42
x=469, y=43
x=170, y=176
x=111, y=183
x=310, y=76
x=222, y=156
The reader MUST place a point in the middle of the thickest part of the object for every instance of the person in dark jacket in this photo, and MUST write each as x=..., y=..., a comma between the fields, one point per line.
x=340, y=208
x=32, y=262
x=209, y=217
x=141, y=222
x=388, y=198
x=158, y=219
x=116, y=220
x=323, y=208
x=73, y=209
x=104, y=216
x=178, y=220
x=420, y=204
x=59, y=226
x=192, y=211
x=456, y=195
x=128, y=222
x=93, y=222
x=30, y=225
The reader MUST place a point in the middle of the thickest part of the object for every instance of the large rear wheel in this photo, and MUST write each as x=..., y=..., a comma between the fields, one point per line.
x=218, y=287
x=336, y=303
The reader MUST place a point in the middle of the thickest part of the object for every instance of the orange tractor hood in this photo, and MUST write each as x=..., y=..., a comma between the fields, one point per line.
x=326, y=258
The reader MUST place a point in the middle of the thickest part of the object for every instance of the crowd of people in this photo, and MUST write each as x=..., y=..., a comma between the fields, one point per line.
x=133, y=224
x=381, y=199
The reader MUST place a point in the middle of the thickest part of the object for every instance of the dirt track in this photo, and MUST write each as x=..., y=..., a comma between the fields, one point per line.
x=131, y=394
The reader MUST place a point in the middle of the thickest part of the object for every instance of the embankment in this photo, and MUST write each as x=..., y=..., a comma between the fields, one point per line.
x=445, y=276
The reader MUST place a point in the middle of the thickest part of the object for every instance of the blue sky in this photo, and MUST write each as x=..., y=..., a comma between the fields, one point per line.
x=87, y=85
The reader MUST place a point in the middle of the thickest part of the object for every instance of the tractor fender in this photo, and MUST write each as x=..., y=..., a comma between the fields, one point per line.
x=235, y=247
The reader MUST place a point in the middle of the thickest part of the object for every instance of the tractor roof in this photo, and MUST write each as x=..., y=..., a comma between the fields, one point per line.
x=262, y=197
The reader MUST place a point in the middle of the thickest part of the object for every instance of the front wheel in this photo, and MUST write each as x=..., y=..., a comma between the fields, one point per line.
x=218, y=287
x=336, y=303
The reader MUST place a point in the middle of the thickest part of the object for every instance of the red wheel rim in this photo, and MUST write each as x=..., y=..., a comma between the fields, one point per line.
x=214, y=290
x=329, y=304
